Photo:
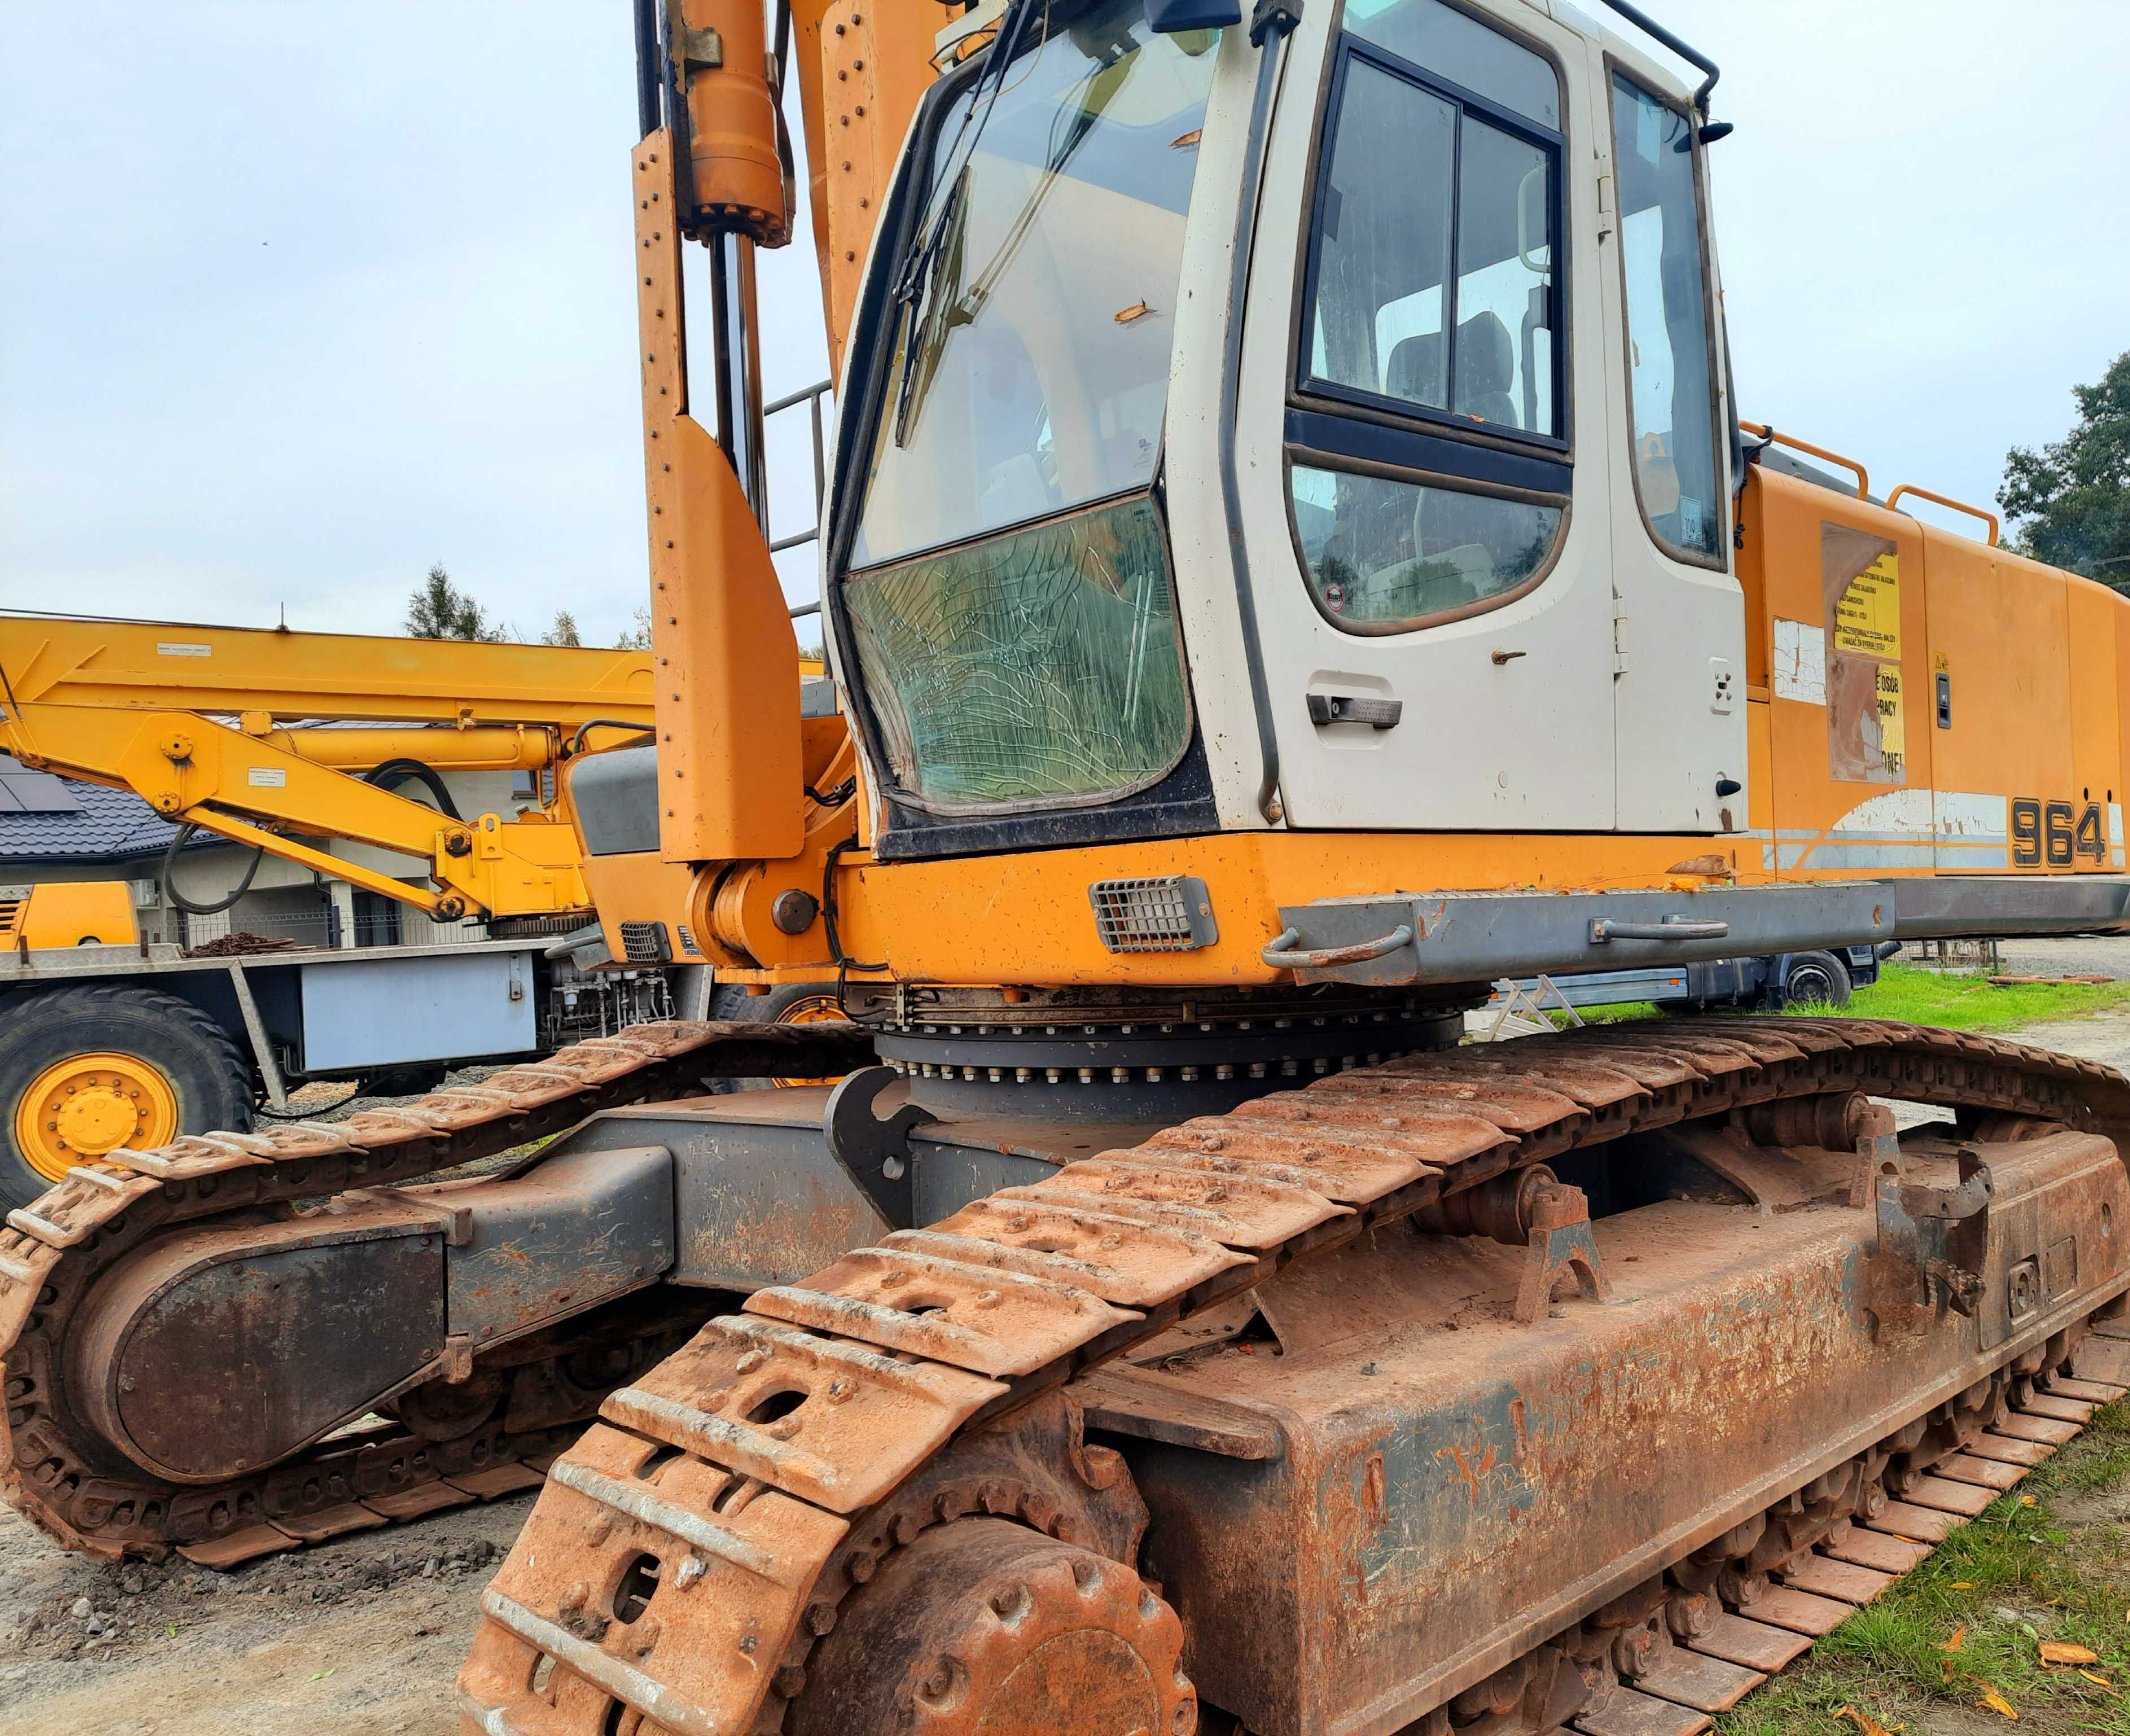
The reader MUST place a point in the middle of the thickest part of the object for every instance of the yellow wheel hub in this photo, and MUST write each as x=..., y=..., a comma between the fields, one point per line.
x=79, y=1109
x=812, y=1010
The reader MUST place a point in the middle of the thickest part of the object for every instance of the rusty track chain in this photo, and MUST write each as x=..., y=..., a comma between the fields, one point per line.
x=754, y=1466
x=53, y=1250
x=1696, y=1639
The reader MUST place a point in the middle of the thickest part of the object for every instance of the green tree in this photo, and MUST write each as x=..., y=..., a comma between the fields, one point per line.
x=564, y=632
x=637, y=638
x=2069, y=502
x=439, y=609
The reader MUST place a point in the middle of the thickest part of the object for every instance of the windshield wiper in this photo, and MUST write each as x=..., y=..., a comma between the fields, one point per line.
x=921, y=356
x=921, y=265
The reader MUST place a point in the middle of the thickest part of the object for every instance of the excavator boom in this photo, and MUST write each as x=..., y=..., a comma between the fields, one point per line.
x=290, y=677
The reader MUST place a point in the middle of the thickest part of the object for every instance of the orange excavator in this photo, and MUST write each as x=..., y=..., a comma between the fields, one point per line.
x=1291, y=556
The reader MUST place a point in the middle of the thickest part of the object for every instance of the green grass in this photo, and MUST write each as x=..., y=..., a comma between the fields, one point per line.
x=2049, y=1561
x=1968, y=1001
x=1961, y=1000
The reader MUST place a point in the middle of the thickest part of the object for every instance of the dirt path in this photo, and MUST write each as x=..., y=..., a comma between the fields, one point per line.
x=359, y=1637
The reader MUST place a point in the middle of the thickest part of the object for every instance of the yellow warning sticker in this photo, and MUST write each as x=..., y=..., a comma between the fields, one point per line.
x=1867, y=620
x=1892, y=726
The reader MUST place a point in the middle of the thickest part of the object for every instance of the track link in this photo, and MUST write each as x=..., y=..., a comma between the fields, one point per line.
x=766, y=1468
x=55, y=1249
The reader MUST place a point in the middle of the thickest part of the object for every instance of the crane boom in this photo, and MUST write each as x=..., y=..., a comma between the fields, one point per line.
x=197, y=722
x=317, y=677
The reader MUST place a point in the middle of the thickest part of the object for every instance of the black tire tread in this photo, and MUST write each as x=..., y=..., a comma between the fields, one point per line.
x=85, y=1001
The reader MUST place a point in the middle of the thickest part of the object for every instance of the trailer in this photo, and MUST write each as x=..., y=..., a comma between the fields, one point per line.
x=1769, y=980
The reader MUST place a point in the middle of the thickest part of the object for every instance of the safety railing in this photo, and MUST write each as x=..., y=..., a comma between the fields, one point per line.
x=811, y=397
x=1767, y=433
x=1986, y=516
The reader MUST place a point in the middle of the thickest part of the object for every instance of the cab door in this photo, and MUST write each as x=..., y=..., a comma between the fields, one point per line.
x=1680, y=657
x=1428, y=526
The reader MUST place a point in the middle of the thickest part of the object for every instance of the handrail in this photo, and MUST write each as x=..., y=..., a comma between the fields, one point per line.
x=811, y=396
x=1767, y=433
x=1693, y=56
x=1947, y=500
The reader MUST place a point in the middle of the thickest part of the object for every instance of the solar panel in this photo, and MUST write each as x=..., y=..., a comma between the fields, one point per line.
x=33, y=792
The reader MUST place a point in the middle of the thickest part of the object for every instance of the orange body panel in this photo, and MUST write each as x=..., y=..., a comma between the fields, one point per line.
x=2096, y=619
x=861, y=67
x=69, y=913
x=730, y=771
x=1863, y=775
x=1851, y=613
x=641, y=886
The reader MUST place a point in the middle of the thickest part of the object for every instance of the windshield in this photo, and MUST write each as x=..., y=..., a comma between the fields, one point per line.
x=1031, y=359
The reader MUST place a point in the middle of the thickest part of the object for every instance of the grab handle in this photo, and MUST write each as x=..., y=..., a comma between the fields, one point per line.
x=1603, y=929
x=1286, y=953
x=1767, y=433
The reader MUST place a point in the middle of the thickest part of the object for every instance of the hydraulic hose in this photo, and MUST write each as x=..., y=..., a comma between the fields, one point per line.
x=398, y=771
x=178, y=900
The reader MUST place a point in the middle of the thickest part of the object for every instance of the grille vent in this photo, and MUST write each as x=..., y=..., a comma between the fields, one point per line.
x=1169, y=912
x=645, y=943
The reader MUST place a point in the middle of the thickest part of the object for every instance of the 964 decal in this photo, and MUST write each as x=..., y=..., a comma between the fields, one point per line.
x=2056, y=834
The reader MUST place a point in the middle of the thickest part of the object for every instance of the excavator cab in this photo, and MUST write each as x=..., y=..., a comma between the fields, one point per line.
x=1181, y=358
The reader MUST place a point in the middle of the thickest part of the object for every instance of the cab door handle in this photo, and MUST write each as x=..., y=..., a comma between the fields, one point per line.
x=1350, y=708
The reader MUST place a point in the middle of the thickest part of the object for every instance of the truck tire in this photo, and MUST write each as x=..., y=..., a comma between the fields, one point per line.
x=788, y=1003
x=1815, y=978
x=84, y=1071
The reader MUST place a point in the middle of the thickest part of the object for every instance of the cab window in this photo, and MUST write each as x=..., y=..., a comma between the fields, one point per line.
x=1434, y=285
x=1433, y=313
x=1381, y=553
x=1672, y=394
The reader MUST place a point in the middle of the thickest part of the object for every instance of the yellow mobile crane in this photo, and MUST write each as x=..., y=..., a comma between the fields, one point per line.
x=200, y=723
x=115, y=1042
x=1291, y=557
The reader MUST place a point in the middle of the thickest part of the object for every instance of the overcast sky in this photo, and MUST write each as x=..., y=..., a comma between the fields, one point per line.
x=297, y=298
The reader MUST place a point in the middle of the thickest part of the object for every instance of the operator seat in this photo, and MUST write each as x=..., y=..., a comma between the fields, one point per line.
x=1486, y=369
x=1486, y=365
x=1414, y=370
x=1457, y=537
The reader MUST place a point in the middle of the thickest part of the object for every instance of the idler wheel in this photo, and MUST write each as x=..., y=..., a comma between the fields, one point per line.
x=985, y=1628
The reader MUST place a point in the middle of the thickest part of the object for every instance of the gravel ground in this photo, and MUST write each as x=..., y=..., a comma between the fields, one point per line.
x=2081, y=955
x=362, y=1636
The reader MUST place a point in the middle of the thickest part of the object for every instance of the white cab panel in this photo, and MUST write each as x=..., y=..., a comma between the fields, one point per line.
x=1679, y=642
x=1504, y=716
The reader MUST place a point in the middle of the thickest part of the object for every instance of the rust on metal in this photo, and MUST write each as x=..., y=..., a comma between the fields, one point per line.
x=55, y=1253
x=837, y=1424
x=911, y=1448
x=1140, y=1263
x=1245, y=1211
x=1532, y=1667
x=972, y=1317
x=1558, y=1223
